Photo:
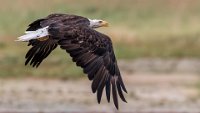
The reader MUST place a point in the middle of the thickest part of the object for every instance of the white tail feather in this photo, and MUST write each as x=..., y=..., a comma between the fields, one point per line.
x=27, y=32
x=34, y=34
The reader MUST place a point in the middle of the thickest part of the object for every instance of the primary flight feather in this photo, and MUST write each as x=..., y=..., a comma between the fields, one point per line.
x=89, y=48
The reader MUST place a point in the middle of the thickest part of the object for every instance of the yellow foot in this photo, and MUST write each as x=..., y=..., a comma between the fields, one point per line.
x=43, y=38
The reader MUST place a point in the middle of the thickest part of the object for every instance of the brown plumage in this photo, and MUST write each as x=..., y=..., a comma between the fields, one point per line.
x=91, y=50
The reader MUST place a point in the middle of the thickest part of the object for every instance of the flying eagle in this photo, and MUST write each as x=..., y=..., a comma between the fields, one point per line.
x=90, y=49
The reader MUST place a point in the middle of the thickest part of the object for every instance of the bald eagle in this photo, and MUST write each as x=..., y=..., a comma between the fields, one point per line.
x=89, y=49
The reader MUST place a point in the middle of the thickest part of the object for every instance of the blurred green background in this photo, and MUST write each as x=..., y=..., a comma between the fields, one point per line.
x=138, y=28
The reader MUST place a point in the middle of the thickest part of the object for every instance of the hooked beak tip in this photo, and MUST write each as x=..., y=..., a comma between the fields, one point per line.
x=105, y=24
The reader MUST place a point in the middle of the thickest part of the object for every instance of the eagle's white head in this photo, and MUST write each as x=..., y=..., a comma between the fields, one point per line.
x=95, y=23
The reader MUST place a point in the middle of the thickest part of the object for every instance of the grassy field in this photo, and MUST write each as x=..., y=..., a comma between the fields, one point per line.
x=139, y=28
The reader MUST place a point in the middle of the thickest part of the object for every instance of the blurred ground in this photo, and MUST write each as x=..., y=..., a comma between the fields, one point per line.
x=148, y=92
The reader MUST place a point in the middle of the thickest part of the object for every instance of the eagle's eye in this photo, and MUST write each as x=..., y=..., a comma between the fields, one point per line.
x=100, y=21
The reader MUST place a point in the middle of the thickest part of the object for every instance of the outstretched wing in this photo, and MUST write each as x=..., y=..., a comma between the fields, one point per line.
x=39, y=51
x=92, y=51
x=42, y=48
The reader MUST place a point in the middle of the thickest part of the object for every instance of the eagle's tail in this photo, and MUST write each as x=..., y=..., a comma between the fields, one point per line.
x=43, y=32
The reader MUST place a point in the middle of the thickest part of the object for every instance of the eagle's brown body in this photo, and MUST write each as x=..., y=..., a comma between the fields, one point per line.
x=90, y=50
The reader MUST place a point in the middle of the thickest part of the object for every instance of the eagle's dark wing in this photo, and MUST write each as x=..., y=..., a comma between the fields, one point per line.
x=40, y=49
x=43, y=22
x=57, y=18
x=92, y=51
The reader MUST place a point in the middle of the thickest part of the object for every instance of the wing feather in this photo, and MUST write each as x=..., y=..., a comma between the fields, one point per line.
x=97, y=79
x=101, y=87
x=108, y=89
x=114, y=91
x=120, y=91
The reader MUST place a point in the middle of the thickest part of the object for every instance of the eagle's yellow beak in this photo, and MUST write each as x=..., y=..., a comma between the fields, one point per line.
x=104, y=24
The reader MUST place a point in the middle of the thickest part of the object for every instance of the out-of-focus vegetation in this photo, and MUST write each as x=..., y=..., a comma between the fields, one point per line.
x=139, y=28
